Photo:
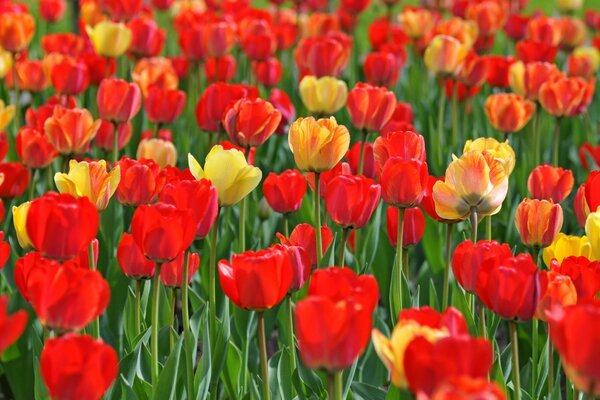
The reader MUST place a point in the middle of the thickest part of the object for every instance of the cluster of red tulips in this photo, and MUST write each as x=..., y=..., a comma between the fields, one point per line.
x=143, y=255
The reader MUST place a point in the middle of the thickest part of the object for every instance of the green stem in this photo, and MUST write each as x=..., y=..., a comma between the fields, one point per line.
x=92, y=264
x=264, y=362
x=405, y=263
x=154, y=337
x=172, y=300
x=550, y=369
x=534, y=354
x=185, y=310
x=138, y=306
x=441, y=112
x=488, y=227
x=286, y=225
x=454, y=115
x=341, y=256
x=556, y=143
x=318, y=218
x=514, y=340
x=115, y=150
x=482, y=324
x=446, y=290
x=399, y=240
x=242, y=228
x=361, y=155
x=291, y=343
x=34, y=174
x=536, y=135
x=338, y=385
x=212, y=280
x=17, y=119
x=474, y=222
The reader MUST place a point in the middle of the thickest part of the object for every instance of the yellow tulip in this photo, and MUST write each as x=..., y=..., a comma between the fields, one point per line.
x=20, y=221
x=91, y=180
x=416, y=22
x=229, y=172
x=110, y=39
x=565, y=246
x=501, y=151
x=569, y=5
x=6, y=115
x=324, y=95
x=318, y=145
x=6, y=63
x=162, y=152
x=391, y=351
x=475, y=182
x=592, y=53
x=444, y=55
x=592, y=230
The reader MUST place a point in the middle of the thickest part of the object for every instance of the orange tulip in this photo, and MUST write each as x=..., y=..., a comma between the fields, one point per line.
x=444, y=55
x=71, y=130
x=462, y=30
x=526, y=79
x=489, y=15
x=555, y=289
x=567, y=97
x=370, y=107
x=32, y=76
x=16, y=31
x=416, y=22
x=573, y=33
x=250, y=122
x=546, y=182
x=155, y=72
x=545, y=30
x=538, y=222
x=508, y=112
x=162, y=152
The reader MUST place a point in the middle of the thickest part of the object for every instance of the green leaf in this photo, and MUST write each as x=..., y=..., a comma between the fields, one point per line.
x=328, y=258
x=232, y=371
x=364, y=391
x=284, y=372
x=169, y=376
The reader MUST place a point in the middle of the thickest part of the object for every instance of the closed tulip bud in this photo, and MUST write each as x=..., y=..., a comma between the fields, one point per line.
x=268, y=73
x=60, y=225
x=444, y=55
x=71, y=130
x=475, y=182
x=32, y=76
x=406, y=145
x=580, y=206
x=257, y=39
x=19, y=214
x=70, y=77
x=78, y=366
x=567, y=246
x=110, y=39
x=424, y=322
x=34, y=148
x=303, y=236
x=214, y=103
x=555, y=290
x=469, y=258
x=171, y=273
x=324, y=55
x=162, y=152
x=11, y=326
x=256, y=280
x=132, y=261
x=566, y=97
x=147, y=38
x=163, y=231
x=370, y=168
x=370, y=107
x=250, y=122
x=538, y=222
x=527, y=79
x=284, y=192
x=16, y=31
x=546, y=182
x=490, y=16
x=592, y=230
x=507, y=112
x=500, y=151
x=545, y=30
x=104, y=138
x=15, y=179
x=573, y=33
x=318, y=145
x=403, y=182
x=351, y=199
x=164, y=106
x=592, y=191
x=229, y=172
x=417, y=21
x=381, y=69
x=118, y=100
x=155, y=72
x=52, y=10
x=91, y=180
x=221, y=69
x=413, y=227
x=141, y=181
x=99, y=67
x=324, y=95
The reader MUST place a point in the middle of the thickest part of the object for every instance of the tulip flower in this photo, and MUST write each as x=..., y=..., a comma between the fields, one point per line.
x=222, y=69
x=501, y=151
x=417, y=22
x=444, y=55
x=508, y=113
x=60, y=225
x=566, y=97
x=565, y=246
x=530, y=51
x=52, y=10
x=545, y=30
x=11, y=326
x=381, y=69
x=16, y=31
x=162, y=152
x=556, y=290
x=588, y=151
x=171, y=273
x=284, y=192
x=140, y=183
x=132, y=261
x=70, y=77
x=527, y=79
x=469, y=258
x=78, y=367
x=538, y=222
x=250, y=122
x=351, y=200
x=546, y=182
x=323, y=55
x=323, y=96
x=91, y=180
x=584, y=273
x=412, y=229
x=403, y=182
x=118, y=100
x=15, y=179
x=475, y=183
x=155, y=72
x=19, y=214
x=268, y=73
x=229, y=173
x=370, y=107
x=147, y=38
x=592, y=191
x=66, y=298
x=7, y=113
x=580, y=206
x=406, y=145
x=214, y=103
x=353, y=156
x=110, y=39
x=71, y=130
x=464, y=387
x=424, y=322
x=34, y=148
x=164, y=106
x=592, y=230
x=304, y=236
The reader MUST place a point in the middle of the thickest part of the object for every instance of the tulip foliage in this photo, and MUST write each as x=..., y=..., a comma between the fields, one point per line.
x=284, y=199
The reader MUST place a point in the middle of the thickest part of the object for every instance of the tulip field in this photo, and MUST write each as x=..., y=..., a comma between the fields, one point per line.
x=285, y=199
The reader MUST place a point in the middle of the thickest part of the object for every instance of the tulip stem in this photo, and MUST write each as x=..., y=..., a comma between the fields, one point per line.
x=482, y=323
x=292, y=345
x=361, y=156
x=534, y=354
x=138, y=306
x=286, y=225
x=242, y=228
x=399, y=240
x=474, y=221
x=446, y=290
x=154, y=333
x=318, y=218
x=454, y=114
x=335, y=386
x=441, y=114
x=536, y=136
x=34, y=174
x=212, y=280
x=342, y=254
x=17, y=119
x=92, y=264
x=115, y=152
x=488, y=228
x=172, y=300
x=514, y=340
x=550, y=369
x=264, y=361
x=189, y=362
x=556, y=143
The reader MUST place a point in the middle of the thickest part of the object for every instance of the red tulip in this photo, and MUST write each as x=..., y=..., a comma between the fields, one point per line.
x=529, y=51
x=214, y=102
x=163, y=106
x=381, y=69
x=171, y=273
x=516, y=26
x=15, y=179
x=118, y=100
x=257, y=39
x=61, y=226
x=52, y=10
x=406, y=145
x=141, y=181
x=162, y=231
x=592, y=191
x=31, y=76
x=11, y=326
x=303, y=236
x=574, y=332
x=162, y=5
x=256, y=280
x=78, y=367
x=122, y=10
x=325, y=55
x=34, y=149
x=468, y=259
x=370, y=107
x=382, y=32
x=148, y=38
x=105, y=136
x=300, y=262
x=412, y=229
x=428, y=365
x=268, y=72
x=66, y=298
x=250, y=122
x=509, y=287
x=70, y=77
x=566, y=97
x=282, y=102
x=284, y=192
x=351, y=200
x=465, y=387
x=370, y=168
x=99, y=67
x=550, y=183
x=498, y=67
x=555, y=290
x=3, y=145
x=584, y=273
x=200, y=197
x=132, y=261
x=403, y=182
x=220, y=69
x=544, y=29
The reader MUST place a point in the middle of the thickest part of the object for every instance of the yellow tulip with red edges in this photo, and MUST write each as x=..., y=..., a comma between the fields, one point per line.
x=444, y=55
x=501, y=151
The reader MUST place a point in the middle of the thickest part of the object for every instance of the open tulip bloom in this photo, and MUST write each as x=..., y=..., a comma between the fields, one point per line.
x=270, y=199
